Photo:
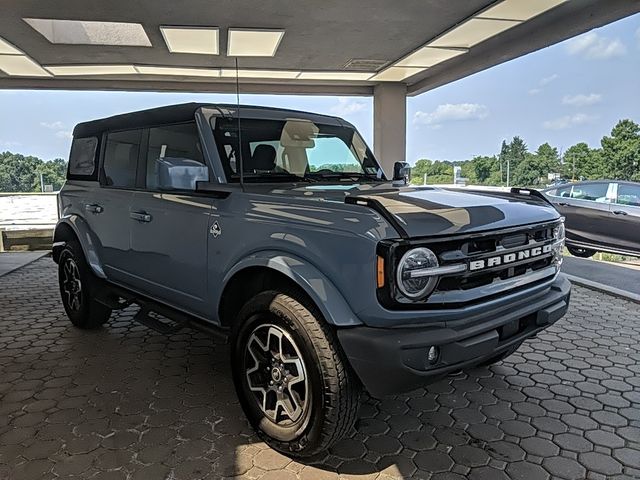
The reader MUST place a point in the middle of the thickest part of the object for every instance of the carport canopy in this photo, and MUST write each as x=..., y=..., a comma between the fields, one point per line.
x=385, y=48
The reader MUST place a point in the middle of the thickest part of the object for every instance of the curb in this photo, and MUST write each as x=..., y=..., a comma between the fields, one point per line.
x=616, y=292
x=44, y=253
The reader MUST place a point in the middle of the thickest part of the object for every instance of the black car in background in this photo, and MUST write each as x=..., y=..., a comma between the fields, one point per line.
x=600, y=215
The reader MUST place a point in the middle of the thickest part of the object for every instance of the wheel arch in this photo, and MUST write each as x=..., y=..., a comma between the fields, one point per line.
x=270, y=270
x=74, y=227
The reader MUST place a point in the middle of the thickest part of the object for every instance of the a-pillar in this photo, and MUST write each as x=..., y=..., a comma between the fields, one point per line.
x=390, y=124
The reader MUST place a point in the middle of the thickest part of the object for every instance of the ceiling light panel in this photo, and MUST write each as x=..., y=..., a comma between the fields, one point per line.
x=200, y=40
x=7, y=49
x=428, y=57
x=90, y=33
x=231, y=73
x=396, y=74
x=519, y=9
x=21, y=66
x=253, y=43
x=355, y=76
x=87, y=70
x=472, y=32
x=178, y=71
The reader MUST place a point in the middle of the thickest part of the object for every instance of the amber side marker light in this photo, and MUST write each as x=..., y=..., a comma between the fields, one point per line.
x=380, y=271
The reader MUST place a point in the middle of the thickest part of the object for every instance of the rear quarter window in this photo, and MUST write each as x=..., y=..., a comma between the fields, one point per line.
x=82, y=159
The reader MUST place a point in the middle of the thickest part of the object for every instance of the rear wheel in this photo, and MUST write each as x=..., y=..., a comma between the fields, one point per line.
x=77, y=283
x=293, y=383
x=581, y=252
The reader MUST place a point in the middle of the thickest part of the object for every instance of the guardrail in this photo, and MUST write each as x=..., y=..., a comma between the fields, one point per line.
x=27, y=220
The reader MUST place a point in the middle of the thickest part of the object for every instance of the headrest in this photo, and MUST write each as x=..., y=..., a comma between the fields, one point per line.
x=263, y=158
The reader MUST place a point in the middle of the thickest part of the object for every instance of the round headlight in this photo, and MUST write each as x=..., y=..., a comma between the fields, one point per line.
x=416, y=286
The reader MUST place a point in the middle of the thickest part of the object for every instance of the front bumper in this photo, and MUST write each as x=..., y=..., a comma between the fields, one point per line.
x=394, y=360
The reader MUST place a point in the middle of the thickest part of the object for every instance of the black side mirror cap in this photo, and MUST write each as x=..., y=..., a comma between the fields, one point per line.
x=402, y=171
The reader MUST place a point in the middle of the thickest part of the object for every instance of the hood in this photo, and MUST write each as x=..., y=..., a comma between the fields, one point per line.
x=434, y=211
x=427, y=211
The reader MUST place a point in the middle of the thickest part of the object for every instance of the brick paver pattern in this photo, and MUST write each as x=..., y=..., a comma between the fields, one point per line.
x=124, y=402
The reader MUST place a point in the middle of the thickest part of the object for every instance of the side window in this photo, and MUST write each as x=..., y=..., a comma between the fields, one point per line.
x=121, y=158
x=595, y=192
x=174, y=158
x=628, y=195
x=82, y=159
x=561, y=192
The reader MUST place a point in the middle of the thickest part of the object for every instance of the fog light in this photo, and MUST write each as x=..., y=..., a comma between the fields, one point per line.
x=432, y=354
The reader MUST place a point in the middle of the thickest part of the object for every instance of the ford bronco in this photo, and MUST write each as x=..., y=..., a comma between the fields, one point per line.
x=279, y=230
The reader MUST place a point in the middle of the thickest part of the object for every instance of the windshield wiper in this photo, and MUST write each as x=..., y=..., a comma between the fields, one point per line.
x=343, y=175
x=278, y=176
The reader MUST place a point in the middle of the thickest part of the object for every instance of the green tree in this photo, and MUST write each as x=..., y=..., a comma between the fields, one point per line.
x=53, y=173
x=485, y=168
x=17, y=172
x=528, y=172
x=511, y=155
x=621, y=151
x=582, y=162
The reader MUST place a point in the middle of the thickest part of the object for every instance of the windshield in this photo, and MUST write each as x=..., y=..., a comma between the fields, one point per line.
x=293, y=149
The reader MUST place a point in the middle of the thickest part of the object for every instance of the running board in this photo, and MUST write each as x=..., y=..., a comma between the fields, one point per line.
x=175, y=321
x=116, y=298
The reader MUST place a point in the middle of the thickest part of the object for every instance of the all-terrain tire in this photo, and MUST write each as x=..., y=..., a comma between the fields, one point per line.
x=77, y=285
x=581, y=252
x=333, y=393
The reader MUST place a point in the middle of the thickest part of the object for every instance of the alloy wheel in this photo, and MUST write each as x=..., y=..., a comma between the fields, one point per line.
x=276, y=374
x=71, y=284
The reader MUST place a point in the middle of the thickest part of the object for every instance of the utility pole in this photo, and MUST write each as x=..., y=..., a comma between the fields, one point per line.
x=508, y=170
x=42, y=182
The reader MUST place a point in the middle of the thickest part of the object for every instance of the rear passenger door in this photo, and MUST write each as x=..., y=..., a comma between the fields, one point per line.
x=586, y=210
x=625, y=217
x=169, y=222
x=107, y=210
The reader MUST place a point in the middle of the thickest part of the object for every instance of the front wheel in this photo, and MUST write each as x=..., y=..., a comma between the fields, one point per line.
x=292, y=380
x=581, y=252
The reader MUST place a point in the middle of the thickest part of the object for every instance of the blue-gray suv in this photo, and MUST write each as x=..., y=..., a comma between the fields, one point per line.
x=279, y=230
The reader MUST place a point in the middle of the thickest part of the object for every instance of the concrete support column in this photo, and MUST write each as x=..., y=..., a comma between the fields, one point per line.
x=390, y=125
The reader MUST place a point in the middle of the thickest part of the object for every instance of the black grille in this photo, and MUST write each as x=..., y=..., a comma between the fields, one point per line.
x=467, y=250
x=459, y=289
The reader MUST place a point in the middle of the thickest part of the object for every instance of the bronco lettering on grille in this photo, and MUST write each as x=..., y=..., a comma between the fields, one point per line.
x=509, y=257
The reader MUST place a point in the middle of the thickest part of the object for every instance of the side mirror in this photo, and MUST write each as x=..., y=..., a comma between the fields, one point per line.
x=402, y=171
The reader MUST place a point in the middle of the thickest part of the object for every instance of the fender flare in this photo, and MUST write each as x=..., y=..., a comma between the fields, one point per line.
x=87, y=239
x=320, y=289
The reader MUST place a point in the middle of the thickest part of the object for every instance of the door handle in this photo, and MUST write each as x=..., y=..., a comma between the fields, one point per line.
x=564, y=204
x=94, y=208
x=619, y=212
x=141, y=216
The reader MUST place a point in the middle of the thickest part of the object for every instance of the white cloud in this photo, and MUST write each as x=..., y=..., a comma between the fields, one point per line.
x=9, y=143
x=449, y=112
x=64, y=134
x=348, y=106
x=543, y=83
x=568, y=121
x=547, y=80
x=582, y=100
x=52, y=125
x=595, y=47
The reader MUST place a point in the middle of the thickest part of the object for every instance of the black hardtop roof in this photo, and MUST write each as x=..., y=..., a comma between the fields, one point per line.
x=175, y=114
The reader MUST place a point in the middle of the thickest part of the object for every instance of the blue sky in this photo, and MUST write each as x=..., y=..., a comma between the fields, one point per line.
x=571, y=92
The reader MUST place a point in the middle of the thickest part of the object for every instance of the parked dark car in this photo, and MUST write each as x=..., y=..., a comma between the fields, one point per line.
x=601, y=216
